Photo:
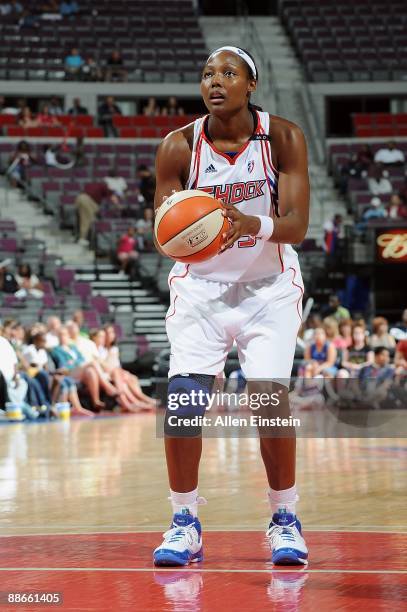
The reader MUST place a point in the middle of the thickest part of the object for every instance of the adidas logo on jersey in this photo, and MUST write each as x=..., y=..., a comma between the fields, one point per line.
x=210, y=168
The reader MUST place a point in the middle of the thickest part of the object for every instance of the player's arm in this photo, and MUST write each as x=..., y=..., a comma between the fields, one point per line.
x=291, y=226
x=171, y=168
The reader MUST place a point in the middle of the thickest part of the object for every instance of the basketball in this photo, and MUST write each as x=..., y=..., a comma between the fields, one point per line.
x=189, y=226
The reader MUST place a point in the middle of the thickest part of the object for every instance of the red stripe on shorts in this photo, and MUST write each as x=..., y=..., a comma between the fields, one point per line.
x=300, y=288
x=176, y=296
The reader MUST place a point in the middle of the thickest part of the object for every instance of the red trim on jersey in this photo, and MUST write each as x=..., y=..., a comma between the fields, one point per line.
x=300, y=288
x=231, y=160
x=280, y=256
x=272, y=203
x=197, y=161
x=176, y=296
x=269, y=152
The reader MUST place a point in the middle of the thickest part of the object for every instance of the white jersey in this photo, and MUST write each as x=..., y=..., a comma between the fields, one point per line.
x=249, y=181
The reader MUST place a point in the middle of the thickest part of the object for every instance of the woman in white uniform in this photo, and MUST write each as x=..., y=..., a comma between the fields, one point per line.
x=250, y=293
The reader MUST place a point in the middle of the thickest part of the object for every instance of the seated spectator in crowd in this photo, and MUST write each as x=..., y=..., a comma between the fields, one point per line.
x=91, y=70
x=69, y=8
x=151, y=109
x=145, y=229
x=335, y=309
x=36, y=358
x=85, y=346
x=106, y=112
x=5, y=9
x=331, y=327
x=390, y=155
x=127, y=250
x=116, y=183
x=52, y=334
x=16, y=386
x=378, y=181
x=45, y=119
x=73, y=64
x=27, y=119
x=357, y=166
x=131, y=398
x=146, y=183
x=308, y=391
x=172, y=107
x=115, y=70
x=359, y=354
x=397, y=208
x=307, y=330
x=400, y=358
x=380, y=335
x=20, y=160
x=29, y=283
x=321, y=355
x=77, y=108
x=55, y=107
x=345, y=330
x=8, y=283
x=402, y=325
x=332, y=230
x=376, y=378
x=376, y=210
x=69, y=361
x=79, y=318
x=87, y=204
x=16, y=8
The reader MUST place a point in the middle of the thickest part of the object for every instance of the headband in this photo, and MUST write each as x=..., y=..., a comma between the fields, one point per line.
x=241, y=54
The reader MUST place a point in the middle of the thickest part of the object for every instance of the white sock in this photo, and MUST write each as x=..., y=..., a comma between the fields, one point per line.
x=283, y=500
x=188, y=500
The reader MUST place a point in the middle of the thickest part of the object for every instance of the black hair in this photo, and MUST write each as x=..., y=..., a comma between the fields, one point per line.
x=251, y=75
x=27, y=270
x=378, y=350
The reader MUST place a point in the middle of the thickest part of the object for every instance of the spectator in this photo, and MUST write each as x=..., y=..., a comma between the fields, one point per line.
x=402, y=325
x=336, y=310
x=115, y=70
x=358, y=355
x=69, y=8
x=18, y=162
x=332, y=231
x=120, y=376
x=87, y=204
x=381, y=336
x=127, y=250
x=145, y=228
x=378, y=181
x=117, y=184
x=79, y=318
x=44, y=117
x=172, y=107
x=77, y=108
x=36, y=358
x=146, y=184
x=312, y=323
x=26, y=119
x=400, y=358
x=358, y=166
x=73, y=64
x=52, y=334
x=378, y=371
x=390, y=155
x=321, y=354
x=28, y=19
x=331, y=327
x=107, y=110
x=397, y=208
x=29, y=283
x=151, y=109
x=91, y=70
x=55, y=107
x=85, y=346
x=8, y=283
x=376, y=210
x=69, y=361
x=345, y=330
x=78, y=152
x=16, y=8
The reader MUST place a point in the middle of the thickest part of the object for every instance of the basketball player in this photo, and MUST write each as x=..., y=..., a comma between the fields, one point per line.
x=251, y=292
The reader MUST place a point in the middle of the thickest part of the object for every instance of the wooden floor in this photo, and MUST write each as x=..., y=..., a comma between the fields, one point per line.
x=68, y=488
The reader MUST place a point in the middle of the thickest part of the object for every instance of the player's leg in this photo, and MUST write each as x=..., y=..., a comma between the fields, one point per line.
x=266, y=351
x=182, y=543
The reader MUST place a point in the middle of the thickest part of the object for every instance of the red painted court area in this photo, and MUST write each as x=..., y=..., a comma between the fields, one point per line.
x=348, y=571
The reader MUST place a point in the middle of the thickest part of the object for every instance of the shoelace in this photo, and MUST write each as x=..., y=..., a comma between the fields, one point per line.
x=286, y=532
x=177, y=533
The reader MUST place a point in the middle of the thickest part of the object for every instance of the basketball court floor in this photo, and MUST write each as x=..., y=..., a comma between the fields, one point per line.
x=85, y=502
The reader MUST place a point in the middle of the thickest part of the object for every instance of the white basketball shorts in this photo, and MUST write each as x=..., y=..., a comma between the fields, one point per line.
x=206, y=316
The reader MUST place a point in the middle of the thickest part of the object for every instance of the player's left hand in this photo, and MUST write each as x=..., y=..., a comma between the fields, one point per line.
x=240, y=225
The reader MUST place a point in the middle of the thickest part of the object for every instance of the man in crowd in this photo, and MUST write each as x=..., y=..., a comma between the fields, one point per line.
x=87, y=204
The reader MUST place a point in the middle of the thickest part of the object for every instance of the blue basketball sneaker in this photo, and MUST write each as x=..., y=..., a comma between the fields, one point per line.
x=182, y=542
x=286, y=542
